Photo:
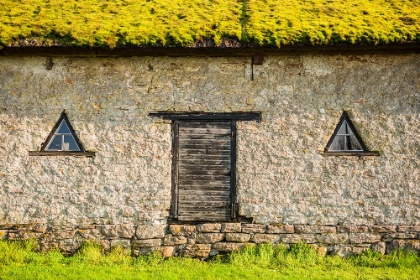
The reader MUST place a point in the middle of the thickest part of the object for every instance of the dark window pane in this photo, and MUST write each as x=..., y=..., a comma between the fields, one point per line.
x=63, y=128
x=338, y=144
x=343, y=128
x=55, y=144
x=354, y=145
x=70, y=144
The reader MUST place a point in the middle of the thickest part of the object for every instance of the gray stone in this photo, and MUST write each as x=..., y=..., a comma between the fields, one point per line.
x=352, y=228
x=265, y=238
x=119, y=231
x=253, y=228
x=237, y=237
x=364, y=238
x=399, y=235
x=315, y=229
x=383, y=228
x=146, y=243
x=409, y=228
x=197, y=250
x=174, y=240
x=209, y=238
x=333, y=238
x=280, y=229
x=413, y=245
x=296, y=238
x=229, y=246
x=150, y=231
x=209, y=227
x=42, y=228
x=123, y=243
x=231, y=227
x=379, y=247
x=90, y=233
x=181, y=229
x=167, y=251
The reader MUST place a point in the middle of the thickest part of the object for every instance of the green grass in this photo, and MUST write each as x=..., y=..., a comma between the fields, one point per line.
x=119, y=23
x=22, y=261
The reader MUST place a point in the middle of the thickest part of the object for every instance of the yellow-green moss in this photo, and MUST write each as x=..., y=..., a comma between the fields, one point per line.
x=316, y=22
x=183, y=23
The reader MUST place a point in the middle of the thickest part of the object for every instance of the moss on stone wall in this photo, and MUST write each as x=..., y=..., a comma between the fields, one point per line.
x=183, y=23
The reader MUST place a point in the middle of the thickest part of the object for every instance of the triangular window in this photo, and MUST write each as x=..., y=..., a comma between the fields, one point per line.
x=346, y=139
x=62, y=138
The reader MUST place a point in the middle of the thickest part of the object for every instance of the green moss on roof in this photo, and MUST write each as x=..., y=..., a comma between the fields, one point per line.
x=183, y=23
x=316, y=22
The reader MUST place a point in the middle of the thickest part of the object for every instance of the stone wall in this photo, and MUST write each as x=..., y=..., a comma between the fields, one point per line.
x=282, y=176
x=206, y=240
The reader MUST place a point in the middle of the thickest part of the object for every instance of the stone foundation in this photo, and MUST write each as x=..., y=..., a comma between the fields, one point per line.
x=206, y=240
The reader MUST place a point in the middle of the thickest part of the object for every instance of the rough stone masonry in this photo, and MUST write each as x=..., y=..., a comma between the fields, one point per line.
x=287, y=190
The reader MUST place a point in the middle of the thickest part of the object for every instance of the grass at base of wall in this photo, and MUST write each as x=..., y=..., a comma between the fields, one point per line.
x=20, y=260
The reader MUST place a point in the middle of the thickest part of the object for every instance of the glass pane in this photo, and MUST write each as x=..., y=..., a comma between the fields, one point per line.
x=343, y=128
x=55, y=144
x=70, y=143
x=63, y=128
x=354, y=145
x=338, y=144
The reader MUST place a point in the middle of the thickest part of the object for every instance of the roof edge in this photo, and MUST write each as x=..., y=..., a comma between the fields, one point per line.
x=400, y=48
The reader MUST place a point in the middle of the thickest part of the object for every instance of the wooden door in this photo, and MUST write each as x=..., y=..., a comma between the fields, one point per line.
x=205, y=176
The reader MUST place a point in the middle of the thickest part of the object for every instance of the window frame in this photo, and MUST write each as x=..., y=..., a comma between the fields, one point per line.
x=364, y=152
x=45, y=152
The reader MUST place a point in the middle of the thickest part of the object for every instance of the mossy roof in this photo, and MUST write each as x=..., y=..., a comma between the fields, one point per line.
x=274, y=23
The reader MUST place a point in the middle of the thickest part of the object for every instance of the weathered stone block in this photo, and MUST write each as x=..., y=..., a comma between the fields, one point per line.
x=231, y=227
x=69, y=246
x=280, y=229
x=197, y=250
x=146, y=243
x=90, y=233
x=120, y=231
x=379, y=247
x=398, y=235
x=64, y=232
x=124, y=243
x=24, y=235
x=296, y=238
x=357, y=238
x=253, y=228
x=150, y=231
x=209, y=238
x=228, y=246
x=409, y=228
x=237, y=237
x=265, y=238
x=167, y=251
x=360, y=248
x=382, y=229
x=182, y=229
x=209, y=227
x=315, y=229
x=174, y=240
x=333, y=238
x=352, y=228
x=39, y=228
x=413, y=245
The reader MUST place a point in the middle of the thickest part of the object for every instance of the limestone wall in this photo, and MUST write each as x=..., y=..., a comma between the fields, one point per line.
x=282, y=176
